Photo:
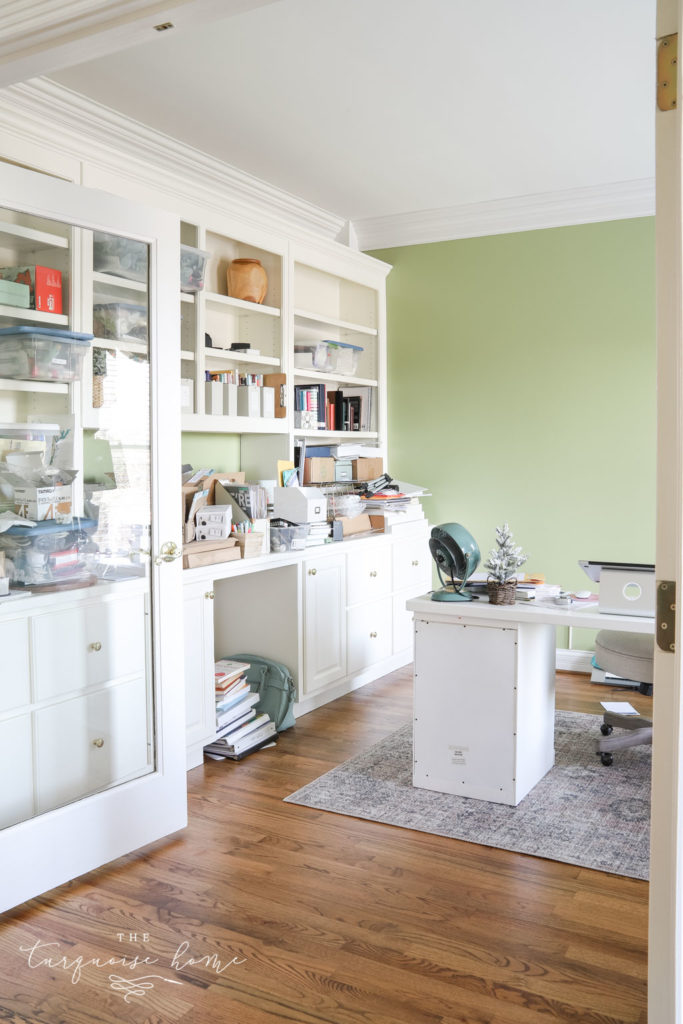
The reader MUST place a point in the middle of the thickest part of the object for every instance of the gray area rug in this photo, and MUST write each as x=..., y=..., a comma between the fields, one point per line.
x=580, y=813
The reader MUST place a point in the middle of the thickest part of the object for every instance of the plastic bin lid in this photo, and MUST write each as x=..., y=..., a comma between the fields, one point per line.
x=342, y=344
x=119, y=305
x=73, y=337
x=50, y=526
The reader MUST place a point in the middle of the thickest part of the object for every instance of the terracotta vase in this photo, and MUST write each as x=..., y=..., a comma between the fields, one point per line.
x=247, y=280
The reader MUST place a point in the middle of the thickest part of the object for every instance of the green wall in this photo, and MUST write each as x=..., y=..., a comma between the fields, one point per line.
x=220, y=452
x=522, y=388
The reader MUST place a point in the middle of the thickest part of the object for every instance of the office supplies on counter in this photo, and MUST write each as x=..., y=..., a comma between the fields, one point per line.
x=300, y=504
x=626, y=588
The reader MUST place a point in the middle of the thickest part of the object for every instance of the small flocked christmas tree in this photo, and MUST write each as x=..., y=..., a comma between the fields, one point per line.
x=505, y=559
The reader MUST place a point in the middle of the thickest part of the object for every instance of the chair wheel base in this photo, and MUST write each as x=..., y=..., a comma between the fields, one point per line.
x=606, y=730
x=606, y=759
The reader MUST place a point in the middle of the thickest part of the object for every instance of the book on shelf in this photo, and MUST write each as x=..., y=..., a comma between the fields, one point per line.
x=220, y=751
x=266, y=732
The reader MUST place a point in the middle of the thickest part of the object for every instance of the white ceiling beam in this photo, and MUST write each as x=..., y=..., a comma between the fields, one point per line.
x=41, y=36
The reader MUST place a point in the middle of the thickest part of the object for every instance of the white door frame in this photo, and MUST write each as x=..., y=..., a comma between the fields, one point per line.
x=62, y=844
x=666, y=858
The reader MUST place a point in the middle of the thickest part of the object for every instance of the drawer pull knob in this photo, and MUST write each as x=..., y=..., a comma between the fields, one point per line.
x=373, y=572
x=415, y=562
x=312, y=572
x=99, y=742
x=209, y=595
x=97, y=646
x=373, y=635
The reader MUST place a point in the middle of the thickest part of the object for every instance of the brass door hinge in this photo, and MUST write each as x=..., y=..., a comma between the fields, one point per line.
x=667, y=72
x=666, y=615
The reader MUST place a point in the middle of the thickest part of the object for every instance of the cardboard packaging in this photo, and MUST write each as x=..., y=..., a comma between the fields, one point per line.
x=250, y=544
x=39, y=503
x=361, y=524
x=367, y=469
x=278, y=381
x=300, y=504
x=209, y=552
x=45, y=285
x=319, y=471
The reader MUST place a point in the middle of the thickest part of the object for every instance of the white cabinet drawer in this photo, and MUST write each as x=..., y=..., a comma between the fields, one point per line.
x=15, y=685
x=16, y=770
x=88, y=644
x=369, y=634
x=91, y=742
x=412, y=564
x=324, y=653
x=368, y=573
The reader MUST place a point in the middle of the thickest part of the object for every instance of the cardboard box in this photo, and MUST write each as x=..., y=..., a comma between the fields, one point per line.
x=278, y=381
x=39, y=503
x=361, y=524
x=367, y=469
x=209, y=552
x=319, y=471
x=250, y=544
x=45, y=284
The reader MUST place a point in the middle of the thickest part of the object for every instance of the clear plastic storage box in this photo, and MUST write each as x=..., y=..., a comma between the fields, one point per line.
x=123, y=257
x=328, y=356
x=192, y=268
x=285, y=536
x=42, y=353
x=48, y=553
x=119, y=321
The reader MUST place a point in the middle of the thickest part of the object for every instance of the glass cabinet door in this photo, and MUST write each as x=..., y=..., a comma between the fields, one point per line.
x=89, y=568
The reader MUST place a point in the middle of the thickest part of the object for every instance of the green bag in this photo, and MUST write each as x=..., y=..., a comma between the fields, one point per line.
x=274, y=684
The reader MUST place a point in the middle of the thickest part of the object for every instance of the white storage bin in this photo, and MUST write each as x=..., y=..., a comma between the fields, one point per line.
x=328, y=357
x=41, y=353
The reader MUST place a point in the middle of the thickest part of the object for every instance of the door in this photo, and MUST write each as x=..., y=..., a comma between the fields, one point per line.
x=666, y=857
x=97, y=717
x=324, y=634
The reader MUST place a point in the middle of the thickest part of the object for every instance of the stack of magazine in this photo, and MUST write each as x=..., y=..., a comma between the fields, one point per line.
x=239, y=729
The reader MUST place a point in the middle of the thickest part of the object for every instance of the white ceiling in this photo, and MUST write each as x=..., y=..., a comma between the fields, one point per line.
x=371, y=108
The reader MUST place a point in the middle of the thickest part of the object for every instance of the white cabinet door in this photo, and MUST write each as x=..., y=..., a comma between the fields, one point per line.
x=15, y=685
x=369, y=634
x=87, y=645
x=140, y=420
x=412, y=564
x=85, y=744
x=200, y=717
x=368, y=572
x=16, y=752
x=324, y=639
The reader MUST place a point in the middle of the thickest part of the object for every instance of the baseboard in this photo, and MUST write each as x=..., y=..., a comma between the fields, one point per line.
x=573, y=661
x=353, y=682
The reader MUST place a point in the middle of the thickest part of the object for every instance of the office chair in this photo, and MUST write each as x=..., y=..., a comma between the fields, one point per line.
x=630, y=656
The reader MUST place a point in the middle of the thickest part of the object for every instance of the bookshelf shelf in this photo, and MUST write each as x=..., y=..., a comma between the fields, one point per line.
x=207, y=424
x=118, y=283
x=361, y=435
x=240, y=306
x=334, y=378
x=36, y=316
x=316, y=320
x=225, y=355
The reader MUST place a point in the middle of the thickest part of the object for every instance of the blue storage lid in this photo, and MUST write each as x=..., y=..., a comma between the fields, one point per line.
x=343, y=344
x=72, y=337
x=50, y=526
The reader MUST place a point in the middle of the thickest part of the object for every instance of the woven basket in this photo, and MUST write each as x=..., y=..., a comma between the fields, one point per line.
x=502, y=593
x=97, y=391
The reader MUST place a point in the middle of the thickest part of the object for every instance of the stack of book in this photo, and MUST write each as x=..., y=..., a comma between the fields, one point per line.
x=318, y=533
x=239, y=730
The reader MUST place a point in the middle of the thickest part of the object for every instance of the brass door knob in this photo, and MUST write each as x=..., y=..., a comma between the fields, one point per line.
x=373, y=635
x=312, y=572
x=373, y=572
x=96, y=646
x=99, y=742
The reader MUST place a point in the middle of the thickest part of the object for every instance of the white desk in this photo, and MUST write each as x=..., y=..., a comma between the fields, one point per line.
x=484, y=693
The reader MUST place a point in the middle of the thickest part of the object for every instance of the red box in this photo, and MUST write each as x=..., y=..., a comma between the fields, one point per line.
x=45, y=284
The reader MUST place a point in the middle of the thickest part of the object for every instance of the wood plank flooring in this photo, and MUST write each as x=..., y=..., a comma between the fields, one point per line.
x=297, y=915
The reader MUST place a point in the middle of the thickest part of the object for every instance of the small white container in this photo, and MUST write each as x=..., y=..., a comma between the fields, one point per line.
x=328, y=357
x=248, y=400
x=267, y=401
x=300, y=504
x=40, y=353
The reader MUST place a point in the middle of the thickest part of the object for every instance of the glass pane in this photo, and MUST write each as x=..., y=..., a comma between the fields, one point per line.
x=75, y=461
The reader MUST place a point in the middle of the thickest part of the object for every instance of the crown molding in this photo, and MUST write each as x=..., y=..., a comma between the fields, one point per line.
x=42, y=111
x=617, y=201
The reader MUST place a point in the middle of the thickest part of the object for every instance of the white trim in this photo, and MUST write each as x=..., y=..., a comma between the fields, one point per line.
x=616, y=201
x=567, y=660
x=77, y=125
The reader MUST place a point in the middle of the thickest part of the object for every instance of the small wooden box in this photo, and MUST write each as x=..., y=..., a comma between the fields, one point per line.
x=250, y=544
x=367, y=469
x=209, y=552
x=318, y=471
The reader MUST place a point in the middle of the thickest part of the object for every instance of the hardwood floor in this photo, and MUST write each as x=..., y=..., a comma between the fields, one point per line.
x=298, y=915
